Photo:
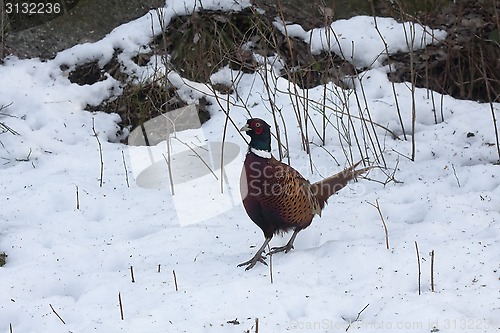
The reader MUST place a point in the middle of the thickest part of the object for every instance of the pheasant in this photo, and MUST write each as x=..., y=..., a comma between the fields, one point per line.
x=276, y=197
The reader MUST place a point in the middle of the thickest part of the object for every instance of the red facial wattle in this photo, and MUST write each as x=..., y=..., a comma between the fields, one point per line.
x=257, y=128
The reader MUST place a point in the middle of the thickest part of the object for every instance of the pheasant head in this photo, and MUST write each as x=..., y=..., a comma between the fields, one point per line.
x=260, y=137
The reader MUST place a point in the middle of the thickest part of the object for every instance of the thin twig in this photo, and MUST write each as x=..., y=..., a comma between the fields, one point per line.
x=490, y=99
x=343, y=113
x=375, y=144
x=357, y=317
x=419, y=271
x=413, y=102
x=3, y=107
x=223, y=109
x=410, y=43
x=256, y=325
x=121, y=305
x=2, y=125
x=8, y=129
x=77, y=198
x=273, y=108
x=432, y=270
x=198, y=155
x=401, y=154
x=169, y=169
x=125, y=167
x=175, y=281
x=132, y=274
x=224, y=133
x=312, y=101
x=55, y=312
x=100, y=152
x=389, y=63
x=294, y=97
x=26, y=159
x=377, y=206
x=455, y=174
x=270, y=264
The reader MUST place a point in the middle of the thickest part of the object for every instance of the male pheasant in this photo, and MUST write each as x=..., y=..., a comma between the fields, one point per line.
x=276, y=197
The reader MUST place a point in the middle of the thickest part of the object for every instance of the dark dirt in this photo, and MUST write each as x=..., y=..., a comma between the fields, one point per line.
x=43, y=35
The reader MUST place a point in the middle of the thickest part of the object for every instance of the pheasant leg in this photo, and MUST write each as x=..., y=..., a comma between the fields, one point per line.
x=258, y=257
x=288, y=245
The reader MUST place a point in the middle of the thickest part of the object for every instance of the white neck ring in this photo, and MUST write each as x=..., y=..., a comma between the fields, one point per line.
x=261, y=153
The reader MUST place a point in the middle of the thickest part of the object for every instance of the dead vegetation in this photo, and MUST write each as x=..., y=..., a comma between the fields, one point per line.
x=465, y=66
x=3, y=259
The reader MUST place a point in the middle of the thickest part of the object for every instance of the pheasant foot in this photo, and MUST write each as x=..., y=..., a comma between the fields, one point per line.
x=286, y=248
x=258, y=257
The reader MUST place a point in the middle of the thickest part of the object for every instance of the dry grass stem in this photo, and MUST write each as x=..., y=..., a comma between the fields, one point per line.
x=175, y=281
x=357, y=317
x=199, y=157
x=169, y=168
x=125, y=168
x=270, y=264
x=121, y=306
x=386, y=48
x=377, y=206
x=101, y=175
x=132, y=274
x=77, y=198
x=432, y=270
x=55, y=312
x=455, y=174
x=419, y=271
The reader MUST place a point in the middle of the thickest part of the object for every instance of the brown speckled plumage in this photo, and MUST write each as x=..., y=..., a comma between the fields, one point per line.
x=276, y=197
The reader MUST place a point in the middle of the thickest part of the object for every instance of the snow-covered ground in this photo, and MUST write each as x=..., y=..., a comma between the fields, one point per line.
x=74, y=261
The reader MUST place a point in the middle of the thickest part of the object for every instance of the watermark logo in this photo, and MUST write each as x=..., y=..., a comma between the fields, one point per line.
x=430, y=325
x=171, y=152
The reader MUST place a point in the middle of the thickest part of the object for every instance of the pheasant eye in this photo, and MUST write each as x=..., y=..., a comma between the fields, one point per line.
x=258, y=129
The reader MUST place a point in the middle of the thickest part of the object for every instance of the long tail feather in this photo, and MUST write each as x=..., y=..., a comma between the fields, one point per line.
x=325, y=188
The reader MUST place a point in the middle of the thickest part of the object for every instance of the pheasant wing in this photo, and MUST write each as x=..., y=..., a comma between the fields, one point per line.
x=289, y=196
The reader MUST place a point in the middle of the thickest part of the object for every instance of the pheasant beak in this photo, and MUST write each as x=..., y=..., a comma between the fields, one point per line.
x=245, y=128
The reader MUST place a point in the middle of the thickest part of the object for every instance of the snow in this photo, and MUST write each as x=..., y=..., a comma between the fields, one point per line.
x=362, y=39
x=76, y=260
